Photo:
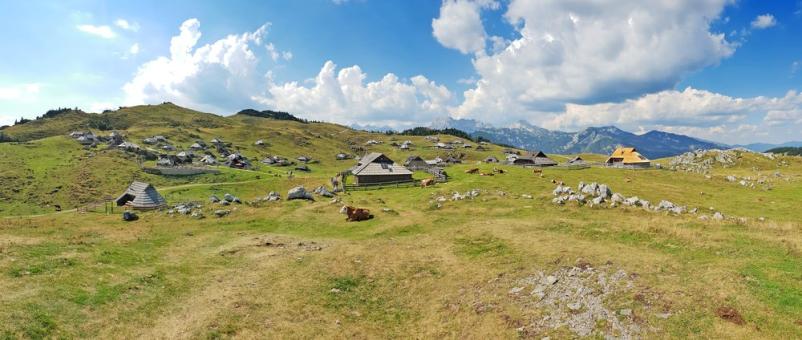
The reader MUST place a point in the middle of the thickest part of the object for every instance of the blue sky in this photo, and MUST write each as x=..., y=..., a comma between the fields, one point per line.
x=716, y=69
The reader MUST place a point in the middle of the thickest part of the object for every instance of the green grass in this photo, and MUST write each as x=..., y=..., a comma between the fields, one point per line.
x=481, y=246
x=416, y=271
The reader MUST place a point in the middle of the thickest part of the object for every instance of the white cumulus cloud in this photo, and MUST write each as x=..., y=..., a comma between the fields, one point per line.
x=344, y=96
x=691, y=111
x=102, y=31
x=275, y=54
x=134, y=49
x=590, y=52
x=459, y=25
x=764, y=21
x=219, y=77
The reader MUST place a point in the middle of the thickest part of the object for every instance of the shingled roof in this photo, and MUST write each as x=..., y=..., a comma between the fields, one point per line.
x=536, y=158
x=141, y=195
x=376, y=163
x=627, y=156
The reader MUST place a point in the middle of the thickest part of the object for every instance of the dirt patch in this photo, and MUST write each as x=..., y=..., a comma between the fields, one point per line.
x=730, y=314
x=577, y=298
x=271, y=246
x=285, y=244
x=229, y=290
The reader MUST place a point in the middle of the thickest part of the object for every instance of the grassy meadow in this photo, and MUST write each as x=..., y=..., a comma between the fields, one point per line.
x=293, y=269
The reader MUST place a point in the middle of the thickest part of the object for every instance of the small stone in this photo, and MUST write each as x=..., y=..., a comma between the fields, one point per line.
x=575, y=306
x=516, y=290
x=625, y=312
x=550, y=280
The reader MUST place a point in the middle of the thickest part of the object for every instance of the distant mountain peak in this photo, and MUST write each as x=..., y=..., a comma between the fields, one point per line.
x=467, y=125
x=595, y=139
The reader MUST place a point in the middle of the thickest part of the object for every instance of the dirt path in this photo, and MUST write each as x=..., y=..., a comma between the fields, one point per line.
x=225, y=292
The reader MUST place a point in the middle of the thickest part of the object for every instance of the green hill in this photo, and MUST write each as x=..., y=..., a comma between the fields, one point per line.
x=479, y=256
x=49, y=168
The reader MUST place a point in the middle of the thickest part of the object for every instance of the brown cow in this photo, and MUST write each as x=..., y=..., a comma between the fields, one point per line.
x=426, y=182
x=537, y=171
x=357, y=214
x=472, y=171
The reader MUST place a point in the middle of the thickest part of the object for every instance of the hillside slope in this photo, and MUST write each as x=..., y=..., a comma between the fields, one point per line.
x=50, y=168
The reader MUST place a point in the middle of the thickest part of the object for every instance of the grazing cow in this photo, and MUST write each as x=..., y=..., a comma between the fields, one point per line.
x=58, y=207
x=427, y=182
x=472, y=171
x=537, y=171
x=498, y=171
x=357, y=214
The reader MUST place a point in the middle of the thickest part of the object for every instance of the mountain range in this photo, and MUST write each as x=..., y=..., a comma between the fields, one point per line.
x=603, y=140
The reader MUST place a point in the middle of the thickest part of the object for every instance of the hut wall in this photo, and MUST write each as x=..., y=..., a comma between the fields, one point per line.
x=378, y=179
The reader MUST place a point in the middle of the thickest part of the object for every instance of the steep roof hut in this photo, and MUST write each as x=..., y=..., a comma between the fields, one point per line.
x=534, y=159
x=416, y=163
x=491, y=159
x=576, y=161
x=209, y=160
x=141, y=196
x=377, y=168
x=628, y=157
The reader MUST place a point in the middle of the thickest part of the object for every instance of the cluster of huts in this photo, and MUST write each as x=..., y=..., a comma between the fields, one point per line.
x=378, y=169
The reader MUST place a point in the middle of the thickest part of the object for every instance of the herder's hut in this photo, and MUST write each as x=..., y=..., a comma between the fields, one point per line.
x=376, y=168
x=577, y=161
x=491, y=159
x=416, y=163
x=141, y=196
x=209, y=160
x=534, y=159
x=627, y=158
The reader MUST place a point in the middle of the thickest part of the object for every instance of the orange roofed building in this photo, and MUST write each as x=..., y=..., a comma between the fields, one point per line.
x=628, y=158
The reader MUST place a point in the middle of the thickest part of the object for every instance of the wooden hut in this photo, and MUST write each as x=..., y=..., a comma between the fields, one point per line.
x=627, y=158
x=577, y=161
x=141, y=196
x=534, y=159
x=416, y=163
x=377, y=168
